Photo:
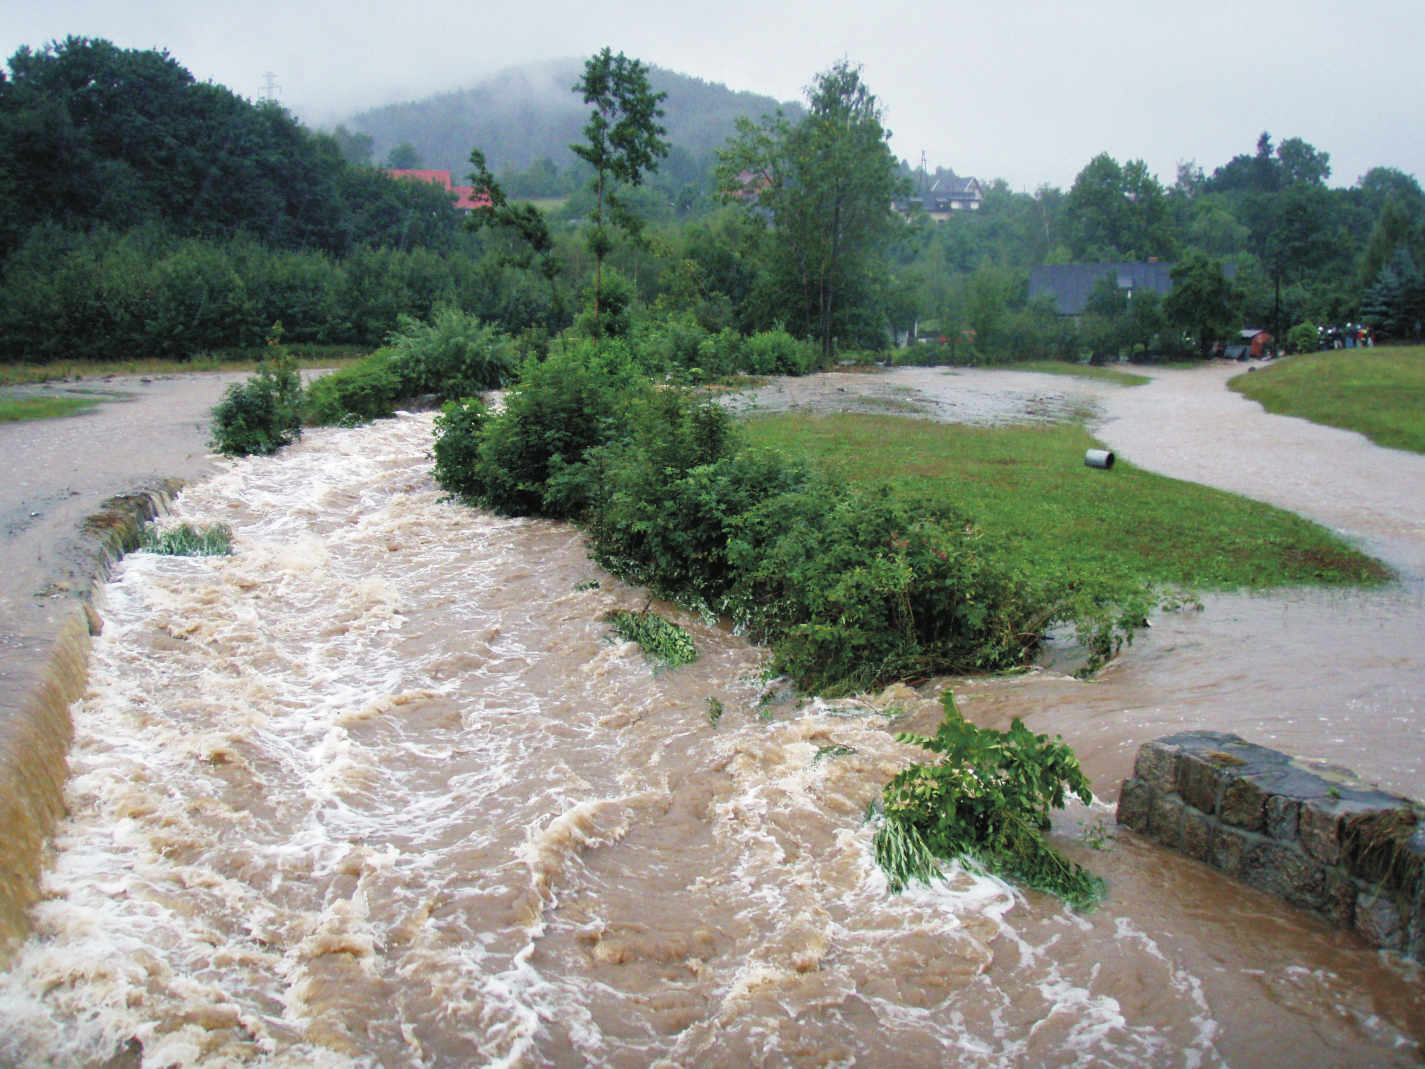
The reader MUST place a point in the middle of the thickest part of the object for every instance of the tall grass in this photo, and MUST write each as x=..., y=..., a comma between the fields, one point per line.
x=186, y=540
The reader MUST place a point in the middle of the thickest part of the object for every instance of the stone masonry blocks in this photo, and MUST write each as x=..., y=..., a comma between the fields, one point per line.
x=1323, y=841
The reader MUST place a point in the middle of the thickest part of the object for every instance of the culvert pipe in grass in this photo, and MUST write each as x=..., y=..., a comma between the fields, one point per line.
x=1099, y=458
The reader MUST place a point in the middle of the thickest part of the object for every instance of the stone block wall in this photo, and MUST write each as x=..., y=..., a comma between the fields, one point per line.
x=1325, y=842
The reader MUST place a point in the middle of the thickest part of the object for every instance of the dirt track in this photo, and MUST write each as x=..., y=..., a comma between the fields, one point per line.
x=55, y=472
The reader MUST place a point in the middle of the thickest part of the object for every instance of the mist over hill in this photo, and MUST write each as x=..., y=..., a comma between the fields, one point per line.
x=524, y=113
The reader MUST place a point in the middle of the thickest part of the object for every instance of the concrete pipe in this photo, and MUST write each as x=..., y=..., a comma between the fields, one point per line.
x=1099, y=458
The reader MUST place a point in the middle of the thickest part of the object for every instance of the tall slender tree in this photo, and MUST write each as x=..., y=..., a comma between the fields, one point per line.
x=524, y=219
x=828, y=183
x=623, y=142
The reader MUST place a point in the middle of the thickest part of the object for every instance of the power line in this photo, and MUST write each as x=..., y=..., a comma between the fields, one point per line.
x=270, y=88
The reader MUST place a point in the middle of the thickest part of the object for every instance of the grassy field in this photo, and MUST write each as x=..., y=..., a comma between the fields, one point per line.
x=15, y=409
x=307, y=356
x=1379, y=392
x=1029, y=489
x=1087, y=371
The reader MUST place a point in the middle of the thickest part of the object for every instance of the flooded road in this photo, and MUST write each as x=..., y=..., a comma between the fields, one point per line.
x=380, y=789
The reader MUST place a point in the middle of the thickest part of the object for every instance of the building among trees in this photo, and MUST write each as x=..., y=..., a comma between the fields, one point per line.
x=465, y=198
x=1071, y=285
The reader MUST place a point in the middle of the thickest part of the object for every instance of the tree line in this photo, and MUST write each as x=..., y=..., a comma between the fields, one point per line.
x=145, y=213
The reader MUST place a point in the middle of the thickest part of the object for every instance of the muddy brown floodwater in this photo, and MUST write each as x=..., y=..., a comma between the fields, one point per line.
x=380, y=789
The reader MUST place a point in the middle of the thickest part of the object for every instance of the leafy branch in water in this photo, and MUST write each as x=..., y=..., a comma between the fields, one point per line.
x=986, y=800
x=661, y=639
x=186, y=540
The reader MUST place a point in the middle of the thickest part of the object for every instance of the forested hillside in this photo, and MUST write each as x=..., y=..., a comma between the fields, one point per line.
x=143, y=213
x=528, y=113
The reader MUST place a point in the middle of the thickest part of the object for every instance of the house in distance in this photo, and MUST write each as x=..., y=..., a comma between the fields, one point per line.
x=1072, y=284
x=465, y=200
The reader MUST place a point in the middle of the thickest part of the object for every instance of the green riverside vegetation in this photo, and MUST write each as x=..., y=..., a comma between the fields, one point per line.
x=1378, y=392
x=985, y=800
x=1028, y=488
x=188, y=540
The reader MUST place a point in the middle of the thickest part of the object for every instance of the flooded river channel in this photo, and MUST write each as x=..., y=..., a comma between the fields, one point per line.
x=380, y=789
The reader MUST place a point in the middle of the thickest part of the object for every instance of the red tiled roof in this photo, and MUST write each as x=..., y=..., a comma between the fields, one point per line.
x=465, y=195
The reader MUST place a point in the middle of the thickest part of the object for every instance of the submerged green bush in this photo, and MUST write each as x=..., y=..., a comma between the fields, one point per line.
x=661, y=639
x=531, y=456
x=366, y=390
x=186, y=540
x=454, y=355
x=986, y=800
x=457, y=446
x=262, y=414
x=851, y=587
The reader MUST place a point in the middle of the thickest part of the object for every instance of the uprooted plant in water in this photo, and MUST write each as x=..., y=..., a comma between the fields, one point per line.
x=984, y=801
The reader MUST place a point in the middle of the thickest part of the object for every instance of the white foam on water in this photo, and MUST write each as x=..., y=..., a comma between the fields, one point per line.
x=379, y=789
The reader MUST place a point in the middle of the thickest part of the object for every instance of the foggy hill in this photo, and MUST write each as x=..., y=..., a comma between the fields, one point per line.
x=523, y=113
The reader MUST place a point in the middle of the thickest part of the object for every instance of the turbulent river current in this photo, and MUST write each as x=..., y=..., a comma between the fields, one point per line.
x=381, y=789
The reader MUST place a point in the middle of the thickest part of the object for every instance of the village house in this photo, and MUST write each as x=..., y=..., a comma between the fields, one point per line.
x=949, y=194
x=1071, y=285
x=465, y=195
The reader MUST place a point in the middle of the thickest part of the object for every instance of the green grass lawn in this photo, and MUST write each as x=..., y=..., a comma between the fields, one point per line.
x=1379, y=392
x=1028, y=488
x=1062, y=367
x=13, y=410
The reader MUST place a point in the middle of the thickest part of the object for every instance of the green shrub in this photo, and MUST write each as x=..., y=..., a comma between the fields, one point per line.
x=985, y=800
x=775, y=352
x=661, y=639
x=457, y=446
x=531, y=455
x=185, y=540
x=262, y=414
x=1303, y=338
x=454, y=355
x=366, y=390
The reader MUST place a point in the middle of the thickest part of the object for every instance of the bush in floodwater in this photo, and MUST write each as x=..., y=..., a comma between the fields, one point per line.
x=457, y=446
x=454, y=355
x=530, y=458
x=986, y=800
x=186, y=540
x=366, y=390
x=264, y=413
x=661, y=639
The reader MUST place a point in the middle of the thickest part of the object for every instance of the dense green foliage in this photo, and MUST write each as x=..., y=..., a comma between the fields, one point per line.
x=262, y=414
x=186, y=540
x=661, y=639
x=1378, y=392
x=986, y=800
x=827, y=182
x=1031, y=494
x=92, y=134
x=145, y=214
x=850, y=586
x=364, y=391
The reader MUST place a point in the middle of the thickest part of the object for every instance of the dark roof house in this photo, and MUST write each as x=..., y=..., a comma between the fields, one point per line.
x=1071, y=284
x=946, y=195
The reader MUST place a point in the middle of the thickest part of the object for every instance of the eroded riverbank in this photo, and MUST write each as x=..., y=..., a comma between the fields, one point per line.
x=380, y=790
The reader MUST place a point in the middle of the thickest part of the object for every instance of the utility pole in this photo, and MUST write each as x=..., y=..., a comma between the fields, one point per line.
x=922, y=170
x=270, y=88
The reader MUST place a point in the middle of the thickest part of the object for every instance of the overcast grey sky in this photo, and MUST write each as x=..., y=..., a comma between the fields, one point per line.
x=1028, y=90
